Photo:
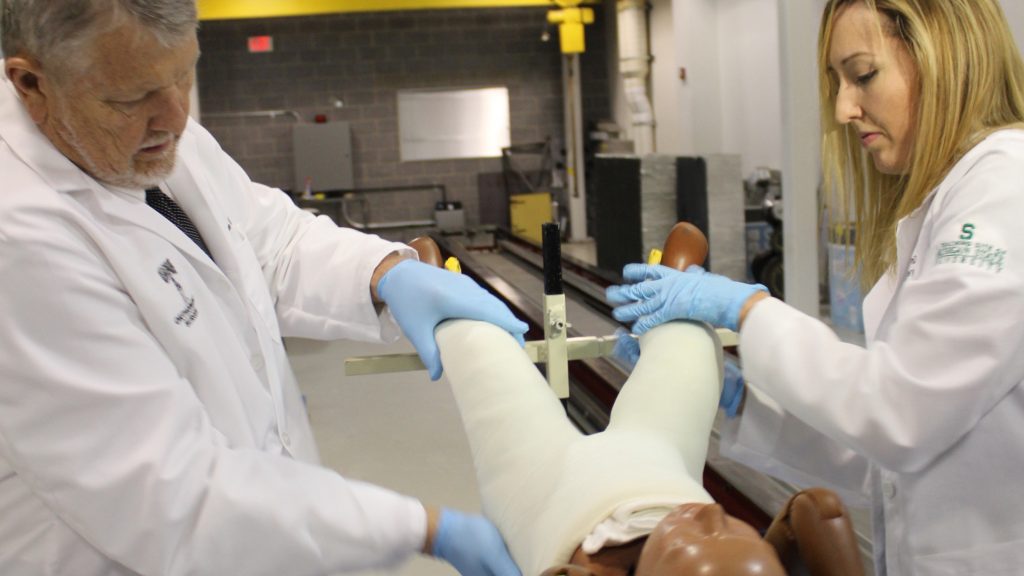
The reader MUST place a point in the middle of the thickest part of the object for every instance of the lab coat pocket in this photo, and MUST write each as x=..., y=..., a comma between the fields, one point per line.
x=254, y=285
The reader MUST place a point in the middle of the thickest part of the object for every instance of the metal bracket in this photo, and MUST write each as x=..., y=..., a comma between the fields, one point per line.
x=538, y=351
x=555, y=330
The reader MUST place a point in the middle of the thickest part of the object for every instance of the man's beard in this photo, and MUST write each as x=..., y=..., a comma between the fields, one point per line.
x=155, y=172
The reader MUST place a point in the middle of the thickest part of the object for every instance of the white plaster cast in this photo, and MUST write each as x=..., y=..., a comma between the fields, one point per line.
x=546, y=485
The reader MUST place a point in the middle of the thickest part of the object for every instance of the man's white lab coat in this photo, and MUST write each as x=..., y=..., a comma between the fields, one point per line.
x=149, y=420
x=928, y=420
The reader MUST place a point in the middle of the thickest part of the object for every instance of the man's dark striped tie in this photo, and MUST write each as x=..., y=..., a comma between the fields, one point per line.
x=169, y=209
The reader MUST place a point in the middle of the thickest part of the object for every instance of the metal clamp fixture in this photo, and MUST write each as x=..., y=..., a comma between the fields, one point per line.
x=555, y=324
x=556, y=350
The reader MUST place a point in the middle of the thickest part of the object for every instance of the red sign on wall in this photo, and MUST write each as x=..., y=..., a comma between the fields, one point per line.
x=261, y=44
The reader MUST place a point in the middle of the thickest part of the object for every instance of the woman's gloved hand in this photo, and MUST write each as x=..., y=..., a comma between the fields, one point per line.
x=658, y=294
x=420, y=296
x=627, y=349
x=627, y=352
x=472, y=545
x=732, y=389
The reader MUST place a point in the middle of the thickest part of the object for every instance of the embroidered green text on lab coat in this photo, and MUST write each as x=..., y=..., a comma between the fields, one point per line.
x=972, y=253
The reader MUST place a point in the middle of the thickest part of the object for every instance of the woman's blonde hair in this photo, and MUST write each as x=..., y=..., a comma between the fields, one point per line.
x=970, y=82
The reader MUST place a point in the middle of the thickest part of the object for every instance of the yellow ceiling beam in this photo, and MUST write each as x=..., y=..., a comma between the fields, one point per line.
x=233, y=9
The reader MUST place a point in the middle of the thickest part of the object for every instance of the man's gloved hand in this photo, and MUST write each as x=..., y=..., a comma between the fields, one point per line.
x=472, y=545
x=658, y=294
x=732, y=389
x=420, y=296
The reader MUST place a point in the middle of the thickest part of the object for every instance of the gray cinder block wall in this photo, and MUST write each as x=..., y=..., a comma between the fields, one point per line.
x=726, y=217
x=725, y=214
x=364, y=59
x=657, y=200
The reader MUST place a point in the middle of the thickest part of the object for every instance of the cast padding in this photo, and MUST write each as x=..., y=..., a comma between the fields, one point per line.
x=545, y=485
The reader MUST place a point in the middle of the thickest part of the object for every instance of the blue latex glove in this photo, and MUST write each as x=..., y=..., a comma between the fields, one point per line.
x=732, y=389
x=472, y=545
x=658, y=294
x=420, y=296
x=627, y=351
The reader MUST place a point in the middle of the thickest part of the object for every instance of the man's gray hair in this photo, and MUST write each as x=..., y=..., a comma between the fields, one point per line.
x=53, y=31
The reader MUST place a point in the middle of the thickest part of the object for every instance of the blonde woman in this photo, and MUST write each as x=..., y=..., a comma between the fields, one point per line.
x=923, y=104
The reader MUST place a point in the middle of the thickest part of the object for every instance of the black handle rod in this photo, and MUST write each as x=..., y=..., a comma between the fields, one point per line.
x=552, y=248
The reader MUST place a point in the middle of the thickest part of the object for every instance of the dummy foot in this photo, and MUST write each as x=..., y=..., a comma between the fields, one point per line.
x=685, y=246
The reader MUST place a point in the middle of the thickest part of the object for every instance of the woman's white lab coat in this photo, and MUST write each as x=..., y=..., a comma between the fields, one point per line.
x=149, y=420
x=928, y=420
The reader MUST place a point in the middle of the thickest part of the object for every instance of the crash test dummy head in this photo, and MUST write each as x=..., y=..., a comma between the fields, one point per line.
x=692, y=539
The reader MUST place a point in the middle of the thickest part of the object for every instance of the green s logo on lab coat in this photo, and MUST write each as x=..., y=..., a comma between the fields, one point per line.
x=967, y=232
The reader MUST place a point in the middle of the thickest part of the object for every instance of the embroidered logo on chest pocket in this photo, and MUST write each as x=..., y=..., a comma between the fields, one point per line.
x=966, y=250
x=189, y=313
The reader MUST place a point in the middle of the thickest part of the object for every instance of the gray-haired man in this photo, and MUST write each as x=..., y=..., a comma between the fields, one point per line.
x=149, y=420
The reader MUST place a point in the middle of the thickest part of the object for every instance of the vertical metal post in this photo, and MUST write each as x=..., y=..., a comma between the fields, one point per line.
x=555, y=325
x=574, y=161
x=801, y=142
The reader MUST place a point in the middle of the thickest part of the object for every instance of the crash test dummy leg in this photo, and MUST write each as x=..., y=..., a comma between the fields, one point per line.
x=547, y=486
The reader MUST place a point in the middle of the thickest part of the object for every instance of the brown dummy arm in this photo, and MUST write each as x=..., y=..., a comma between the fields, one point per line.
x=427, y=250
x=814, y=527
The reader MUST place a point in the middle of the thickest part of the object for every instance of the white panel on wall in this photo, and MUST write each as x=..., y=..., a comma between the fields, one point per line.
x=729, y=101
x=666, y=85
x=751, y=91
x=700, y=95
x=441, y=124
